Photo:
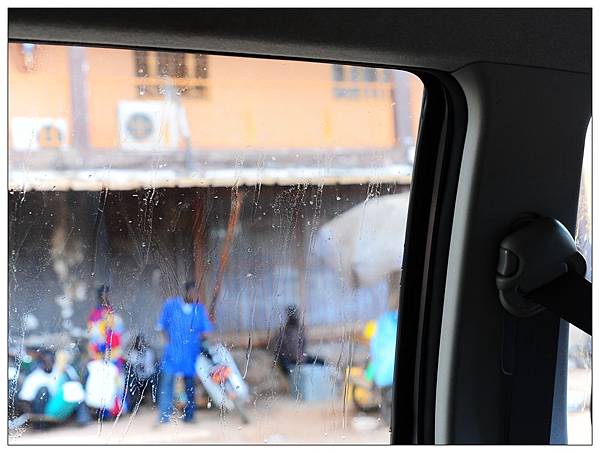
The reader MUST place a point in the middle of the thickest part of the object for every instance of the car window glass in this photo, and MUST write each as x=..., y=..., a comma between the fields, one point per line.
x=203, y=248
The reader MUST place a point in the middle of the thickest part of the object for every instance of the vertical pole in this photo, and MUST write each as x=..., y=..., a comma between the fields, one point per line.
x=79, y=100
x=237, y=198
x=199, y=239
x=299, y=243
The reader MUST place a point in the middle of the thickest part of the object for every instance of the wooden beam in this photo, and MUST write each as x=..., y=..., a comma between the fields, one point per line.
x=237, y=199
x=199, y=240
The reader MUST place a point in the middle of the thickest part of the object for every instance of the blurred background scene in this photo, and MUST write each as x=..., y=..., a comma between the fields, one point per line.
x=279, y=188
x=206, y=248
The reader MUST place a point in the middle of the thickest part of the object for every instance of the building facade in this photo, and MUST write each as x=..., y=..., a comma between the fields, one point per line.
x=124, y=166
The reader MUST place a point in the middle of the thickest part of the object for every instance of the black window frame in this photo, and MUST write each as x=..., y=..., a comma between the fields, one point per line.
x=434, y=186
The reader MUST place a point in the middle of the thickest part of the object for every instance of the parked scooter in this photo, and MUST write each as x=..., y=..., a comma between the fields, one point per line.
x=370, y=387
x=50, y=393
x=222, y=379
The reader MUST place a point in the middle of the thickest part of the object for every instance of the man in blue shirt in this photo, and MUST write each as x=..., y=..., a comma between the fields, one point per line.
x=184, y=323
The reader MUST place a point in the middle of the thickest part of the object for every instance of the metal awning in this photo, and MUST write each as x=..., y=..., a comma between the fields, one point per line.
x=133, y=179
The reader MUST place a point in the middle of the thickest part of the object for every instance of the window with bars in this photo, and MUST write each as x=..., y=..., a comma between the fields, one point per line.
x=187, y=73
x=354, y=82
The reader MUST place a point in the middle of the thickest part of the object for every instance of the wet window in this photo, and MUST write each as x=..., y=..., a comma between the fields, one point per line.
x=195, y=268
x=158, y=72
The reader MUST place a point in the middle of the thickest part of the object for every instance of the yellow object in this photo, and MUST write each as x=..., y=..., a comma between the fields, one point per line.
x=359, y=391
x=370, y=329
x=61, y=360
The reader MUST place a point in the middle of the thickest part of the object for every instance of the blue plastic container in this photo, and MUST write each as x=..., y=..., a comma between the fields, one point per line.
x=313, y=382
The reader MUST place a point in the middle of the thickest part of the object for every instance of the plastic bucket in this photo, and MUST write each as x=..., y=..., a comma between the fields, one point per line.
x=313, y=382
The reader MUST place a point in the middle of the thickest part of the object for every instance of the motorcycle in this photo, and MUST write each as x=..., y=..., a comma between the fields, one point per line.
x=370, y=387
x=222, y=379
x=49, y=394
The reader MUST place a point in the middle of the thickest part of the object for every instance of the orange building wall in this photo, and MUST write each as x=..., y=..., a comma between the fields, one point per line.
x=43, y=91
x=415, y=101
x=109, y=80
x=251, y=103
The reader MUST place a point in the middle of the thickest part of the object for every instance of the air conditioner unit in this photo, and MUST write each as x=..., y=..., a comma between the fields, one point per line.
x=148, y=125
x=33, y=134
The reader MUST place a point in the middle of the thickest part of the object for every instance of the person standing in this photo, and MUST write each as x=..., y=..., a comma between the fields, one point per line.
x=141, y=370
x=106, y=330
x=105, y=350
x=290, y=344
x=184, y=323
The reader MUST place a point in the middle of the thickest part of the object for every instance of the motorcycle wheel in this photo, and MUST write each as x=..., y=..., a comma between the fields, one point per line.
x=364, y=400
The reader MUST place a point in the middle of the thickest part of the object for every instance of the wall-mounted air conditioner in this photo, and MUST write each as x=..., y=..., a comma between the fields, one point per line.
x=147, y=126
x=34, y=133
